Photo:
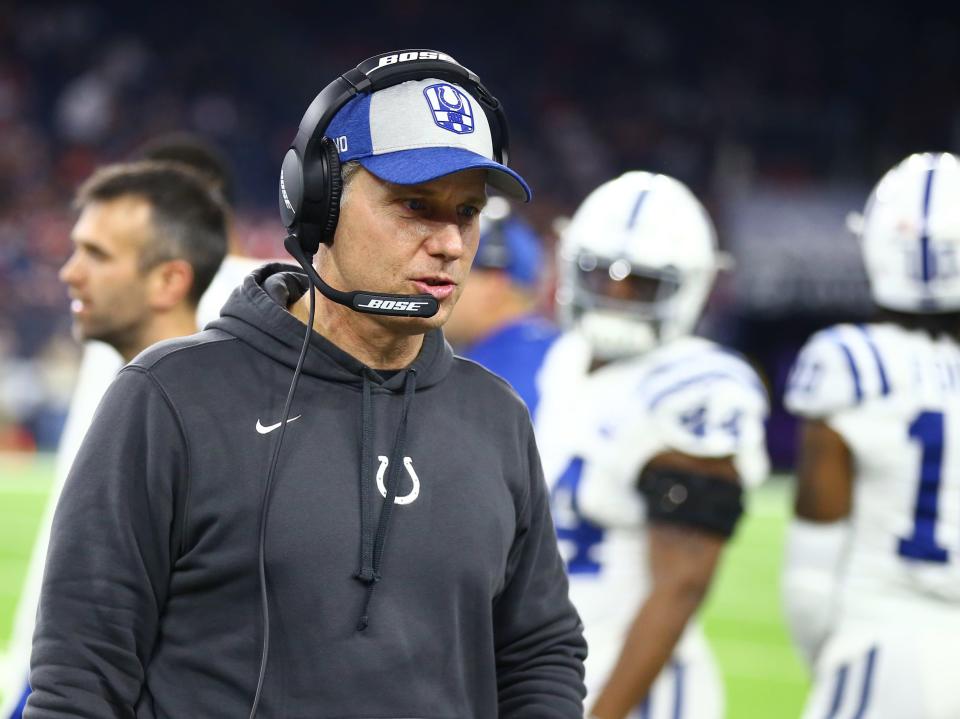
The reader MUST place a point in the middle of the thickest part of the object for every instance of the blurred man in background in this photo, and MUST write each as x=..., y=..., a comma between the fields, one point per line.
x=872, y=574
x=101, y=360
x=648, y=437
x=496, y=322
x=149, y=239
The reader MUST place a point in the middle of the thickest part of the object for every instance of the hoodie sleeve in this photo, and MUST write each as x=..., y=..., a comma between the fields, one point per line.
x=539, y=637
x=111, y=549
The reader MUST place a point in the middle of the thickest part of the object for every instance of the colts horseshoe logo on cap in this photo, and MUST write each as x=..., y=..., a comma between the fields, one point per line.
x=451, y=107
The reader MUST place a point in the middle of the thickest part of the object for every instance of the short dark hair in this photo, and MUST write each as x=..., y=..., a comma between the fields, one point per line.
x=188, y=216
x=195, y=153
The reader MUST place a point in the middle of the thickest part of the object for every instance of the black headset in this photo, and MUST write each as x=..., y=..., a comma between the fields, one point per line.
x=310, y=184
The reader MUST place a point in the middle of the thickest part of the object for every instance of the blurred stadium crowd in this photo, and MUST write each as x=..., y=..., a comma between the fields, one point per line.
x=779, y=121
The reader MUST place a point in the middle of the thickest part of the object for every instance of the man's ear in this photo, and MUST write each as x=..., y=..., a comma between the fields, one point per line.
x=169, y=284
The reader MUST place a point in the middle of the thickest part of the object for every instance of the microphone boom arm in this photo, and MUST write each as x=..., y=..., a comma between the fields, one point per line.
x=374, y=303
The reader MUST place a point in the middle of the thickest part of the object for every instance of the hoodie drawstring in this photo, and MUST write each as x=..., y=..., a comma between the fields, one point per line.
x=372, y=544
x=365, y=573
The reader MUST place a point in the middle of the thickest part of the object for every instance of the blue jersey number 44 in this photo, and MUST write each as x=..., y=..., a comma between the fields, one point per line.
x=928, y=430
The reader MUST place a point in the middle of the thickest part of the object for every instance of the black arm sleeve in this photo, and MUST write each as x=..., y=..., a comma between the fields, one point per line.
x=108, y=566
x=539, y=637
x=712, y=504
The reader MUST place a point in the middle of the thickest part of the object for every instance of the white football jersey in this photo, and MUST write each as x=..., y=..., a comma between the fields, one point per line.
x=229, y=276
x=893, y=395
x=596, y=432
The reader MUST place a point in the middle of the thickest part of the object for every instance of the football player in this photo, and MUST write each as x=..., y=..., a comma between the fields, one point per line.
x=496, y=322
x=872, y=576
x=648, y=437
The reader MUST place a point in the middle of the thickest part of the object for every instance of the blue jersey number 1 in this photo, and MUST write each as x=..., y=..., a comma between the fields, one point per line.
x=927, y=429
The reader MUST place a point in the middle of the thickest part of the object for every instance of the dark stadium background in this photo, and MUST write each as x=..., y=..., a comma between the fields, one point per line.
x=780, y=119
x=780, y=116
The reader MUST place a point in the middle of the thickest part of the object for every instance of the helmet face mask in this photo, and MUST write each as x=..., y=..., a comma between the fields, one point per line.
x=620, y=285
x=636, y=264
x=911, y=236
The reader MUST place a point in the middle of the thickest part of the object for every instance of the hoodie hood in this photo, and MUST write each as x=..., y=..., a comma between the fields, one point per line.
x=256, y=313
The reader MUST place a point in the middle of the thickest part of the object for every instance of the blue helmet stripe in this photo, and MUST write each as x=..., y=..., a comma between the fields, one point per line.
x=928, y=264
x=635, y=212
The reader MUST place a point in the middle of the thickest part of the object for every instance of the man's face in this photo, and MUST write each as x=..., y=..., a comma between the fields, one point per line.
x=408, y=239
x=107, y=288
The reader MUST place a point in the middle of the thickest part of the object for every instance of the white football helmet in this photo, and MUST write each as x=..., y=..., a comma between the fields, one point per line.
x=636, y=264
x=911, y=235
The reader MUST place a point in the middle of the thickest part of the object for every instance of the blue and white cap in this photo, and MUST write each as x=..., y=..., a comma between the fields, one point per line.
x=418, y=131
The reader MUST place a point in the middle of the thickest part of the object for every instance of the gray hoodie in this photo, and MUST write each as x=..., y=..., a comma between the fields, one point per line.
x=151, y=605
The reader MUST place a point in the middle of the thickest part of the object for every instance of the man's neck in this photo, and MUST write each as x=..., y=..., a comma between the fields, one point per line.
x=163, y=327
x=359, y=335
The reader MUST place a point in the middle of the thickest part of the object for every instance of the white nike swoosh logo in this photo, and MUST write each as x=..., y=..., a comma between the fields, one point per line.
x=270, y=427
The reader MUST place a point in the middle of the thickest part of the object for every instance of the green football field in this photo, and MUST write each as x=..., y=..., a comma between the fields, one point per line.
x=765, y=679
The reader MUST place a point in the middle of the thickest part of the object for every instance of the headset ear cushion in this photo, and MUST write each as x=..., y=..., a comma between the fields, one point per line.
x=331, y=159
